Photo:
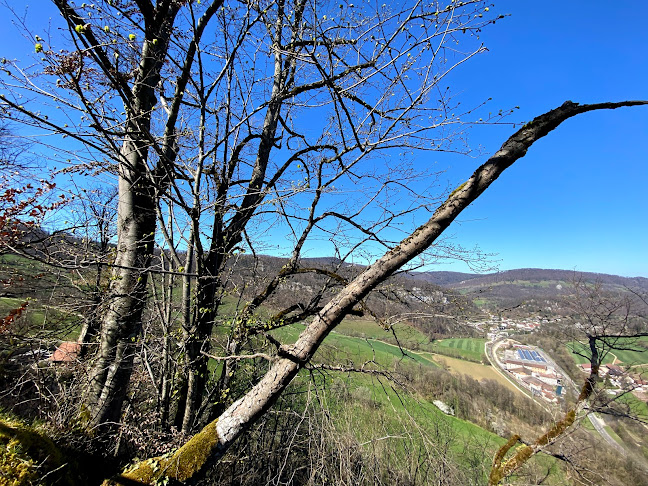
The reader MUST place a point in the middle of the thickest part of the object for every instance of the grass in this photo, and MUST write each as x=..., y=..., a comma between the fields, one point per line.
x=637, y=407
x=614, y=435
x=38, y=318
x=626, y=357
x=408, y=336
x=373, y=409
x=471, y=349
x=340, y=348
x=481, y=302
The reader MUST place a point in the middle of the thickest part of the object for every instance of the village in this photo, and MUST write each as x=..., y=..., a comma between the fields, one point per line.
x=533, y=370
x=620, y=380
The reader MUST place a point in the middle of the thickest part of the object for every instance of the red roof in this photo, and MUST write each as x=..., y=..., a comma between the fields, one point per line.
x=66, y=352
x=520, y=371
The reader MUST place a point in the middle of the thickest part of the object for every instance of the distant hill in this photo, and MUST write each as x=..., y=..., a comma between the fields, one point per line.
x=411, y=293
x=528, y=289
x=539, y=275
x=469, y=280
x=444, y=279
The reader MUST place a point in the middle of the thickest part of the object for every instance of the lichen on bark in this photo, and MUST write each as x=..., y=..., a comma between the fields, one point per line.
x=180, y=466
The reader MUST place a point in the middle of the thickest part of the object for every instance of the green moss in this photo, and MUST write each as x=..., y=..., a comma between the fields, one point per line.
x=557, y=429
x=148, y=472
x=26, y=453
x=457, y=189
x=499, y=456
x=498, y=471
x=190, y=457
x=181, y=466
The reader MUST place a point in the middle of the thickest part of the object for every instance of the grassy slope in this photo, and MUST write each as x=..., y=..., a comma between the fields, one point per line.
x=375, y=408
x=626, y=358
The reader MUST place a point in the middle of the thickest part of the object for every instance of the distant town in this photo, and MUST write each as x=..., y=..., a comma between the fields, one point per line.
x=532, y=369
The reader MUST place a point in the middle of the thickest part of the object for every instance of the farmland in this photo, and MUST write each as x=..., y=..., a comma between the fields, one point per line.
x=471, y=349
x=626, y=357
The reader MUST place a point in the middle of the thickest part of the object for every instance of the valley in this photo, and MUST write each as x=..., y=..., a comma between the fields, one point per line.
x=466, y=378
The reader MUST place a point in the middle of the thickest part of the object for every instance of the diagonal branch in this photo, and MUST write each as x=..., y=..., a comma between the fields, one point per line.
x=218, y=436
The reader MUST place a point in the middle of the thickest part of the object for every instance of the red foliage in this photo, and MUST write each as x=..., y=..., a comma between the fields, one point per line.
x=22, y=209
x=6, y=321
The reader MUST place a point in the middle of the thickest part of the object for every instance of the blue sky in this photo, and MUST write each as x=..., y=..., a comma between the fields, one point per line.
x=578, y=199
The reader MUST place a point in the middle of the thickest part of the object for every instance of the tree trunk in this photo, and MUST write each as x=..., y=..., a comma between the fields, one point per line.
x=92, y=324
x=223, y=240
x=136, y=225
x=122, y=323
x=207, y=302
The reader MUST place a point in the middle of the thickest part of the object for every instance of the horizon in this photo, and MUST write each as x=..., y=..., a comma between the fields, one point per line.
x=575, y=200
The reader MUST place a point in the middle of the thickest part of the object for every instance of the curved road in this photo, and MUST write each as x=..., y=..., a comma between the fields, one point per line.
x=597, y=423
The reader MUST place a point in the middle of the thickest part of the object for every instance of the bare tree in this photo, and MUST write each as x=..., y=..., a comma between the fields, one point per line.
x=96, y=221
x=257, y=160
x=195, y=457
x=222, y=120
x=11, y=150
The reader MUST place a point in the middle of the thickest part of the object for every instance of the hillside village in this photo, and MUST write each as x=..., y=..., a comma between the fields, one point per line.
x=531, y=368
x=621, y=379
x=500, y=327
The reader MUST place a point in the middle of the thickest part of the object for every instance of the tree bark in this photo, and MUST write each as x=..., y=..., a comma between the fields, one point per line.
x=136, y=222
x=225, y=238
x=217, y=437
x=121, y=325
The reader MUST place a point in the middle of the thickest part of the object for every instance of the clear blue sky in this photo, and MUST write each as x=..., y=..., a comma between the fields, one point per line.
x=578, y=199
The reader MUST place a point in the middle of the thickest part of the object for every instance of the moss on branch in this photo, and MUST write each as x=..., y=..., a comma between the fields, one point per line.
x=179, y=466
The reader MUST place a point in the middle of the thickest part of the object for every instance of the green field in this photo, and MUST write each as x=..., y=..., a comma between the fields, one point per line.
x=471, y=349
x=48, y=322
x=409, y=337
x=402, y=430
x=339, y=348
x=623, y=357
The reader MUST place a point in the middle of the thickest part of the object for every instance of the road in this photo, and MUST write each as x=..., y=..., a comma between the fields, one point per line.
x=597, y=422
x=491, y=355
